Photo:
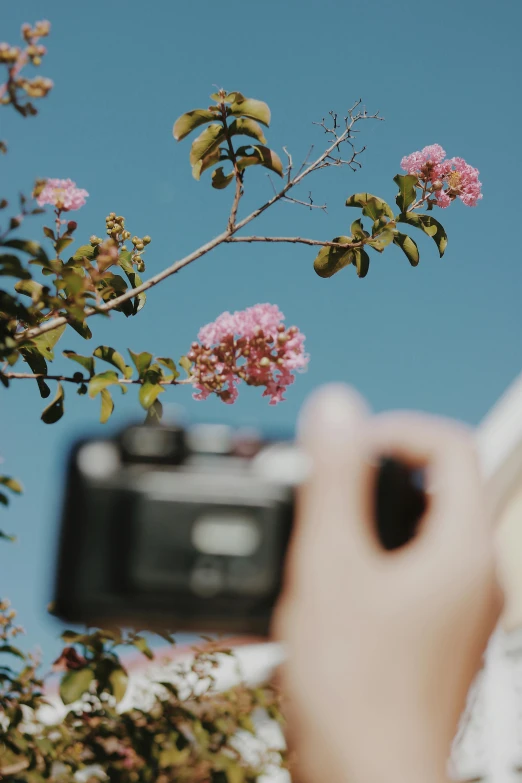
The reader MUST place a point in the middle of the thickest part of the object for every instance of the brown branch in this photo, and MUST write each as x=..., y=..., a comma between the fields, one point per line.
x=319, y=163
x=296, y=240
x=78, y=380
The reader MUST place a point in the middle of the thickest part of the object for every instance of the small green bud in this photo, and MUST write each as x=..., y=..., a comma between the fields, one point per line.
x=116, y=227
x=139, y=246
x=126, y=234
x=141, y=266
x=110, y=224
x=135, y=240
x=94, y=240
x=146, y=240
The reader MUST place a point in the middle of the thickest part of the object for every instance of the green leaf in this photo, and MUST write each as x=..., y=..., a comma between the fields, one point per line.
x=107, y=405
x=85, y=361
x=357, y=230
x=8, y=648
x=101, y=381
x=382, y=240
x=219, y=180
x=409, y=247
x=75, y=684
x=45, y=342
x=154, y=413
x=249, y=107
x=407, y=191
x=262, y=156
x=141, y=644
x=124, y=260
x=170, y=364
x=28, y=246
x=29, y=287
x=85, y=251
x=11, y=266
x=141, y=361
x=186, y=364
x=206, y=143
x=113, y=357
x=362, y=261
x=48, y=232
x=429, y=225
x=149, y=391
x=11, y=484
x=7, y=537
x=4, y=500
x=191, y=120
x=330, y=260
x=54, y=411
x=62, y=243
x=246, y=127
x=117, y=682
x=205, y=163
x=38, y=366
x=81, y=327
x=377, y=205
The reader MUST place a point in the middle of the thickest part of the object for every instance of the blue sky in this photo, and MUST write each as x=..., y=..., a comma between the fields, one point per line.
x=444, y=337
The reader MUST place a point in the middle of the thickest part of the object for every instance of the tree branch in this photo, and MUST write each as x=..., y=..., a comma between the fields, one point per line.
x=78, y=380
x=322, y=161
x=296, y=240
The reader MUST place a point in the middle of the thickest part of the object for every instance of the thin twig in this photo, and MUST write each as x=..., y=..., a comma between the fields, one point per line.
x=310, y=204
x=225, y=236
x=297, y=241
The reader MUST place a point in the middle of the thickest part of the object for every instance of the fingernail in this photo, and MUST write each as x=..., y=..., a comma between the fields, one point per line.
x=331, y=413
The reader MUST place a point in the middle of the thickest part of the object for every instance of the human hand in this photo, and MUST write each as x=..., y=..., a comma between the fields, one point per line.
x=383, y=646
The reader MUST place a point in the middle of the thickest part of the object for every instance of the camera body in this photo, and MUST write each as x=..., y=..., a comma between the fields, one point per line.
x=187, y=529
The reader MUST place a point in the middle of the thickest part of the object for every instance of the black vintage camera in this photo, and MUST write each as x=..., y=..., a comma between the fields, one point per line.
x=187, y=529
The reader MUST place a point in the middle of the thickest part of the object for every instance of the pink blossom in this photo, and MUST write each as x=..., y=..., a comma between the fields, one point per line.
x=252, y=345
x=62, y=194
x=432, y=154
x=443, y=200
x=450, y=178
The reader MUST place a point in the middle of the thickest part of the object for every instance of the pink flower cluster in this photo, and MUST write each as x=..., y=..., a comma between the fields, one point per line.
x=62, y=194
x=252, y=345
x=449, y=177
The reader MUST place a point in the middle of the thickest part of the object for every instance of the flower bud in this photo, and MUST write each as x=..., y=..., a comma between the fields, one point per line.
x=141, y=266
x=110, y=224
x=94, y=240
x=265, y=362
x=437, y=185
x=146, y=240
x=126, y=234
x=116, y=227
